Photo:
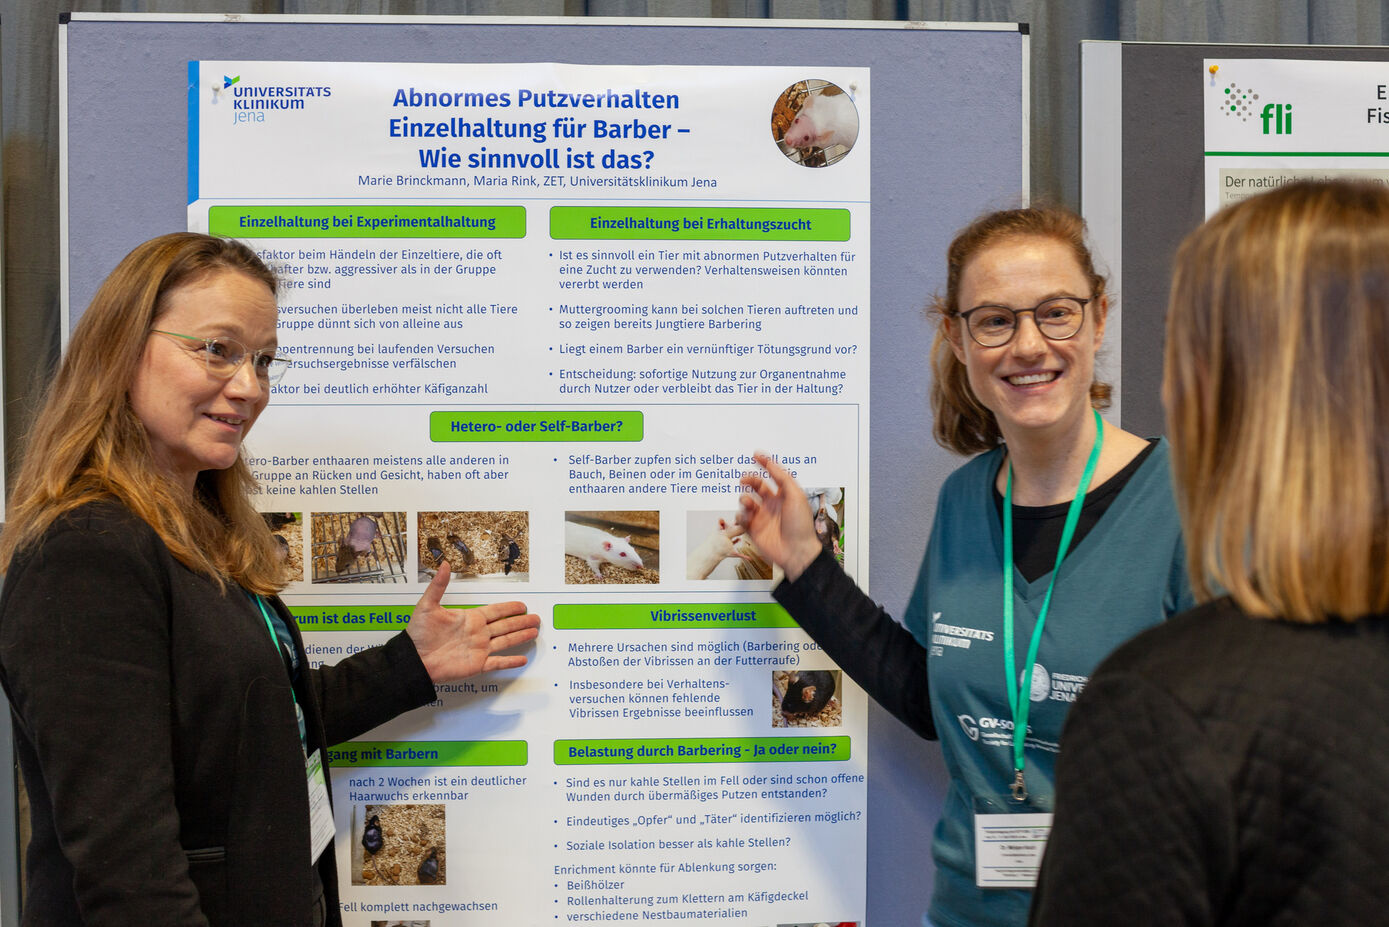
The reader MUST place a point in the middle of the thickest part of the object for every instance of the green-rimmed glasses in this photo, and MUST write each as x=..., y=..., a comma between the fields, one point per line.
x=224, y=356
x=1057, y=319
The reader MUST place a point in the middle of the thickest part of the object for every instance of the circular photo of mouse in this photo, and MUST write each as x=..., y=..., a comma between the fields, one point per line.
x=815, y=122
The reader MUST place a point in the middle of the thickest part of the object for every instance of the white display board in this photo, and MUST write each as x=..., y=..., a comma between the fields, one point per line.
x=565, y=302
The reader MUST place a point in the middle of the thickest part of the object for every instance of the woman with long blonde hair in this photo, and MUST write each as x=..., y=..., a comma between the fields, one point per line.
x=1225, y=768
x=169, y=728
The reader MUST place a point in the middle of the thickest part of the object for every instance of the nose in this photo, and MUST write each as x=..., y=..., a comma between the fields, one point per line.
x=244, y=383
x=1028, y=339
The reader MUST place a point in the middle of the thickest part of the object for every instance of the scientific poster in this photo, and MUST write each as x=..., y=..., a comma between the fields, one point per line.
x=1271, y=121
x=540, y=315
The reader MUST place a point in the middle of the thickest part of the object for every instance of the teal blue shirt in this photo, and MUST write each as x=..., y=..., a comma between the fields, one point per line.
x=1127, y=574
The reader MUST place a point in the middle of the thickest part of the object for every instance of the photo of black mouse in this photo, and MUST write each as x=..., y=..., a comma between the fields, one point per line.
x=807, y=692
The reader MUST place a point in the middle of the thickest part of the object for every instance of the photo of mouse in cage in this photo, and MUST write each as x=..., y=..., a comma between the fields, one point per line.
x=815, y=122
x=359, y=547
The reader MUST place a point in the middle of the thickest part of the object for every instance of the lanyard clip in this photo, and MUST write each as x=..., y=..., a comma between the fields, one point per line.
x=1019, y=787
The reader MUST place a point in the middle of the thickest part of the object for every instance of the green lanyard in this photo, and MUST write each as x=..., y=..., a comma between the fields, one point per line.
x=269, y=626
x=279, y=650
x=1021, y=701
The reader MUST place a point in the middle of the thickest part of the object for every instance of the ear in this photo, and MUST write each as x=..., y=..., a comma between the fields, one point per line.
x=953, y=329
x=1101, y=317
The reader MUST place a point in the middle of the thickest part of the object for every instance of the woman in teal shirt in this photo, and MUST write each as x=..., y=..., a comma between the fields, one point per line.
x=1055, y=544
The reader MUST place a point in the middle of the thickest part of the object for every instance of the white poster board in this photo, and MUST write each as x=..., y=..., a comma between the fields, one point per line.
x=565, y=302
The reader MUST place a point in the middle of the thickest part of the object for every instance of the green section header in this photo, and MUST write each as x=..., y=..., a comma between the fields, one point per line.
x=698, y=223
x=355, y=617
x=535, y=426
x=351, y=617
x=367, y=221
x=702, y=750
x=359, y=754
x=612, y=617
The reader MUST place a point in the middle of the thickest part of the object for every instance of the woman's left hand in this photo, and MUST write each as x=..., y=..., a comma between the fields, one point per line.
x=455, y=643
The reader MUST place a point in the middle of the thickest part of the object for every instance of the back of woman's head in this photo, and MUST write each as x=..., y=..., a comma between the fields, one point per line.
x=962, y=423
x=86, y=442
x=1277, y=394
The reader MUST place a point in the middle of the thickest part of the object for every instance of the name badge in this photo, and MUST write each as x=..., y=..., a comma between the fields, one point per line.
x=321, y=827
x=1008, y=848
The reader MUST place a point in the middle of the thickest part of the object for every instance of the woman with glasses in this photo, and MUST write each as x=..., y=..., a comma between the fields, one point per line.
x=1227, y=768
x=169, y=728
x=1053, y=545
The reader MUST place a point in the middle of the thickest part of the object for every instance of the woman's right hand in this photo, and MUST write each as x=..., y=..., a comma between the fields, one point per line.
x=776, y=516
x=455, y=643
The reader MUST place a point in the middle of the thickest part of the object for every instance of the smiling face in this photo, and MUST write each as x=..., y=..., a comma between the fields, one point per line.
x=1033, y=386
x=194, y=420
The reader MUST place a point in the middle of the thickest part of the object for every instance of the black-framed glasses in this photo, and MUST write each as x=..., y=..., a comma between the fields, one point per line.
x=1057, y=319
x=224, y=357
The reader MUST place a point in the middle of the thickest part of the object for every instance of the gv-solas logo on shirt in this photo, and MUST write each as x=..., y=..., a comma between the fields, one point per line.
x=991, y=732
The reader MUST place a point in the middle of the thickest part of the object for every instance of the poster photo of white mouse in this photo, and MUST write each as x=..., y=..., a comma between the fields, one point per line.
x=612, y=547
x=815, y=122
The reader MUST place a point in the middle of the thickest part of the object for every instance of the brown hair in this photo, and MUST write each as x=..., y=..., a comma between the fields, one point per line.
x=962, y=423
x=87, y=444
x=1277, y=398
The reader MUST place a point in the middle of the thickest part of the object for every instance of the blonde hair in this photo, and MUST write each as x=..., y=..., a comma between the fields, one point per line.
x=1277, y=397
x=962, y=423
x=86, y=443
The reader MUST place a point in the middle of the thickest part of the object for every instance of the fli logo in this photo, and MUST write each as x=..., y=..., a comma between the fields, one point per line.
x=1280, y=115
x=1243, y=103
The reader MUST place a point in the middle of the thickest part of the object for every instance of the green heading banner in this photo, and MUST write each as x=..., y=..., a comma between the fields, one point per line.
x=355, y=617
x=646, y=617
x=698, y=223
x=535, y=426
x=367, y=221
x=370, y=753
x=702, y=750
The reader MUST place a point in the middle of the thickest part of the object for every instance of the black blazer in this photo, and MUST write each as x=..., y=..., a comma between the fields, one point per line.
x=157, y=737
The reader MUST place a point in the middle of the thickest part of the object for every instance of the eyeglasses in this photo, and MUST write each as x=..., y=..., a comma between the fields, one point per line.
x=1057, y=319
x=224, y=356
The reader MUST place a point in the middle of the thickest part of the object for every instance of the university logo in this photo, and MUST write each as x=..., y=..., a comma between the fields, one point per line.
x=252, y=102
